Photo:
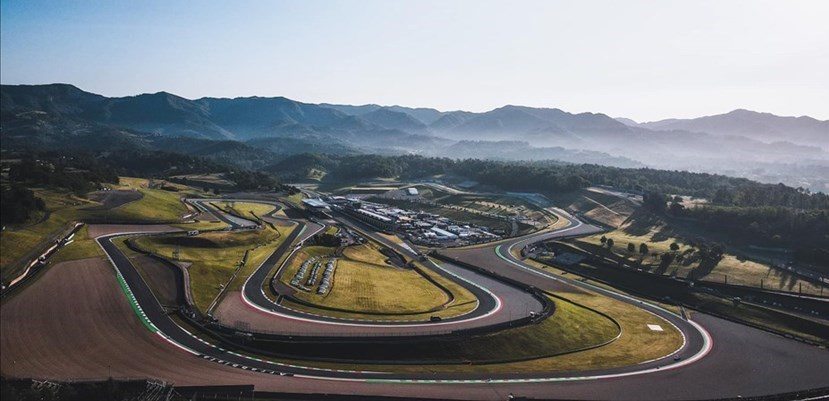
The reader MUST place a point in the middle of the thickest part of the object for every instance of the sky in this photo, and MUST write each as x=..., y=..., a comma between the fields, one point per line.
x=645, y=60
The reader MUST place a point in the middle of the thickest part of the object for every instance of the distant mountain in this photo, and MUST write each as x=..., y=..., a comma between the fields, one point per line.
x=307, y=144
x=425, y=115
x=71, y=110
x=449, y=121
x=252, y=117
x=760, y=126
x=160, y=113
x=518, y=122
x=61, y=99
x=394, y=119
x=627, y=121
x=519, y=150
x=740, y=143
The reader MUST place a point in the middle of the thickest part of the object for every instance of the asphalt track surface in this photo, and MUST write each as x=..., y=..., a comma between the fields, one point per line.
x=754, y=362
x=158, y=321
x=498, y=302
x=101, y=337
x=696, y=346
x=234, y=222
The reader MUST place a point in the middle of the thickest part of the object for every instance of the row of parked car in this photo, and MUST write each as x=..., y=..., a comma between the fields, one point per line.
x=327, y=276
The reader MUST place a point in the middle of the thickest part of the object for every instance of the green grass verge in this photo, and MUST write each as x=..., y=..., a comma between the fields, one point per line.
x=364, y=283
x=570, y=327
x=82, y=247
x=295, y=199
x=215, y=256
x=19, y=244
x=555, y=344
x=248, y=209
x=730, y=268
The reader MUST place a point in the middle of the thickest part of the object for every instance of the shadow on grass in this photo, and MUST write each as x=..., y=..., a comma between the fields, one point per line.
x=664, y=263
x=705, y=267
x=641, y=223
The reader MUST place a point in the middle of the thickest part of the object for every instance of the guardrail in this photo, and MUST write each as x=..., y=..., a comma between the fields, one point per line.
x=34, y=266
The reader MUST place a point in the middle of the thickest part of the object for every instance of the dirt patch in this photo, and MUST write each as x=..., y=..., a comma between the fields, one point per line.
x=112, y=199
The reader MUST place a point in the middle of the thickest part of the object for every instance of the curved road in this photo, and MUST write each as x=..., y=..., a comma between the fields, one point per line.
x=497, y=303
x=697, y=344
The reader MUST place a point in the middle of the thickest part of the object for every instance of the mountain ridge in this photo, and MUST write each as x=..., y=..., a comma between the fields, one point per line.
x=60, y=113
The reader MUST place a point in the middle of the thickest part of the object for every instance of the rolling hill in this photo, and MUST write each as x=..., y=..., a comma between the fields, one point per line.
x=743, y=143
x=760, y=126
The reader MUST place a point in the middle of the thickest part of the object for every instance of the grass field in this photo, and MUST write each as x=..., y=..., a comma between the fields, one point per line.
x=248, y=209
x=776, y=319
x=201, y=225
x=544, y=347
x=23, y=243
x=316, y=174
x=295, y=199
x=155, y=205
x=570, y=275
x=363, y=282
x=216, y=179
x=215, y=256
x=365, y=285
x=81, y=247
x=571, y=327
x=729, y=268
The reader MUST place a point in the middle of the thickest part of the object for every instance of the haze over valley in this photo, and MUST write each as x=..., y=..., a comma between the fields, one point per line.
x=759, y=146
x=414, y=200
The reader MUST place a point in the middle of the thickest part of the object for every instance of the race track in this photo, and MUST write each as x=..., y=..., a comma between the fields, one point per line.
x=104, y=331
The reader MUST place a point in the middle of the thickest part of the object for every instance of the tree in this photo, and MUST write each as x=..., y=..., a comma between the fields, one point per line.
x=328, y=240
x=674, y=246
x=717, y=251
x=676, y=208
x=654, y=201
x=667, y=258
x=631, y=247
x=643, y=248
x=603, y=239
x=17, y=204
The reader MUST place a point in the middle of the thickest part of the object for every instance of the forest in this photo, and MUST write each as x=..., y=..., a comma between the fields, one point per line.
x=551, y=176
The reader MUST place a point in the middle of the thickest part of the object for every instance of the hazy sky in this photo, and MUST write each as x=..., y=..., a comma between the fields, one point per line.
x=645, y=60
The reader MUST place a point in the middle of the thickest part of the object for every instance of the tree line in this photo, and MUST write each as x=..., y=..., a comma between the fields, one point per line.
x=551, y=176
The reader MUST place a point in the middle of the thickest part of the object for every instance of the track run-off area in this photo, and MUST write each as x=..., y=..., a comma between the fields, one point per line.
x=711, y=348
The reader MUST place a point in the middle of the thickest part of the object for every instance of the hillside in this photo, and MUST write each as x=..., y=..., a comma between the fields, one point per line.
x=741, y=143
x=761, y=126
